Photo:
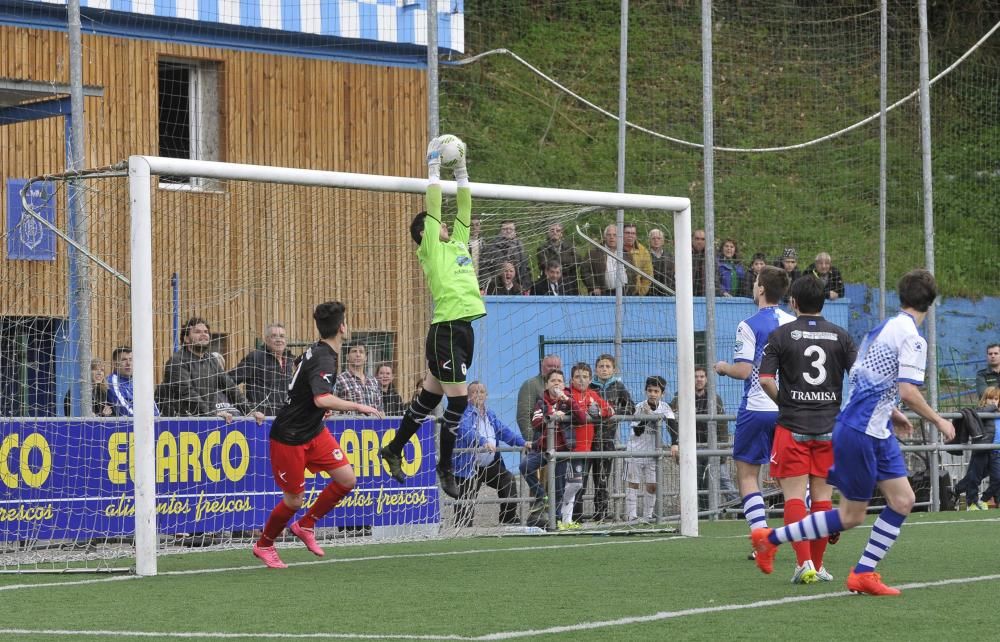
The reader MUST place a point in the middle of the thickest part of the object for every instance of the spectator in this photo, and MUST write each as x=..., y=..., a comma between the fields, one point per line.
x=829, y=276
x=731, y=271
x=726, y=486
x=642, y=470
x=196, y=384
x=506, y=247
x=531, y=390
x=558, y=249
x=596, y=409
x=552, y=407
x=983, y=461
x=990, y=375
x=120, y=390
x=476, y=245
x=698, y=262
x=552, y=283
x=505, y=283
x=354, y=384
x=663, y=262
x=100, y=405
x=265, y=373
x=756, y=265
x=481, y=429
x=392, y=403
x=603, y=273
x=609, y=385
x=637, y=255
x=789, y=262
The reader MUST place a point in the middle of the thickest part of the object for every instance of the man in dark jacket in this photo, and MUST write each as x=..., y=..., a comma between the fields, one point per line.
x=265, y=373
x=195, y=382
x=558, y=249
x=829, y=276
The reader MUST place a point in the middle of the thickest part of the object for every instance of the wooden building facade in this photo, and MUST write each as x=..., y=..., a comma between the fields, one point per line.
x=240, y=255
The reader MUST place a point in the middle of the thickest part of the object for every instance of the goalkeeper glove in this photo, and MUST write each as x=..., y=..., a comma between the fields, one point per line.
x=434, y=160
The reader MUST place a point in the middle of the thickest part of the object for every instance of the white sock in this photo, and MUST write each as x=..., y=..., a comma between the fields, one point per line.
x=569, y=497
x=631, y=502
x=648, y=504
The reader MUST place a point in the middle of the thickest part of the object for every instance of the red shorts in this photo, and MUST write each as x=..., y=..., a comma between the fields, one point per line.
x=794, y=455
x=289, y=463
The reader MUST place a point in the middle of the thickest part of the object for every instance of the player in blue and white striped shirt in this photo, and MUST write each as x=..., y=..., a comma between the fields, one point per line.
x=890, y=365
x=758, y=413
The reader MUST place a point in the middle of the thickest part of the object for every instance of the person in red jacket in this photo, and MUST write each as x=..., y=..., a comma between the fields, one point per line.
x=553, y=406
x=596, y=408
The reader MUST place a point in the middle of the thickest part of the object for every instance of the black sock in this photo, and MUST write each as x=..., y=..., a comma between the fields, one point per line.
x=452, y=416
x=412, y=418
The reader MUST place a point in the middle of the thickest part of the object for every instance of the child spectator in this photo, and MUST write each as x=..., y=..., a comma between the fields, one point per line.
x=554, y=404
x=642, y=470
x=983, y=461
x=596, y=409
x=756, y=265
x=609, y=386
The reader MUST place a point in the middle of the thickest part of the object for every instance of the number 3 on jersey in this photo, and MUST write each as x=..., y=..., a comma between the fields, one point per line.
x=817, y=363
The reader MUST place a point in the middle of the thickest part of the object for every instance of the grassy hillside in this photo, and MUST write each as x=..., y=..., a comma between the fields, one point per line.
x=782, y=75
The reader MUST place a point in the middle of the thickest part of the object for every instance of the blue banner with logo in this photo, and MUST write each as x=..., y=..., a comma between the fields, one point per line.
x=74, y=478
x=28, y=239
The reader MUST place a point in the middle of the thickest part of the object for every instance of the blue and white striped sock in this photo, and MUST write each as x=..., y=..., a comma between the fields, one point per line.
x=815, y=526
x=754, y=511
x=885, y=530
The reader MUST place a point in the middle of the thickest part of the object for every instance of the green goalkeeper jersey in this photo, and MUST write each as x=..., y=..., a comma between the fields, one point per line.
x=448, y=268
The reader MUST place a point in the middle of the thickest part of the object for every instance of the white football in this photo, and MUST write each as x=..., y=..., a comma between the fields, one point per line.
x=452, y=151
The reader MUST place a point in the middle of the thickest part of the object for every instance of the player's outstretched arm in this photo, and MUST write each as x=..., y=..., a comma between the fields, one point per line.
x=914, y=400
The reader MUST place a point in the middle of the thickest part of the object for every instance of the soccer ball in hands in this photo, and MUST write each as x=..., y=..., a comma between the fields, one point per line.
x=451, y=150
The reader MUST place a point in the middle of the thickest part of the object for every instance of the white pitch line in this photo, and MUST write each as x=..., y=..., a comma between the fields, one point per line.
x=499, y=635
x=347, y=560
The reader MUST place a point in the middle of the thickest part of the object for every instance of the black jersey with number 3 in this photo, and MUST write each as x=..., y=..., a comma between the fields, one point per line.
x=315, y=374
x=810, y=357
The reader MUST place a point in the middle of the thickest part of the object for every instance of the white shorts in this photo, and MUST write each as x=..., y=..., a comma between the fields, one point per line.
x=641, y=470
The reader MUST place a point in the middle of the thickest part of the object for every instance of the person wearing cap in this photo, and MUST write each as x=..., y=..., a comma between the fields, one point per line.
x=790, y=264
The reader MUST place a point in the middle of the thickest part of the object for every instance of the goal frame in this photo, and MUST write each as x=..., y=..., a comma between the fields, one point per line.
x=141, y=169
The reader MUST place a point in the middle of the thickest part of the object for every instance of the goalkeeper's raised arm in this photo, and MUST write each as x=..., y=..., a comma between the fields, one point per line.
x=451, y=279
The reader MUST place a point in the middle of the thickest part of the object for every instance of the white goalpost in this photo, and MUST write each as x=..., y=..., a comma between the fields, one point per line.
x=249, y=251
x=143, y=168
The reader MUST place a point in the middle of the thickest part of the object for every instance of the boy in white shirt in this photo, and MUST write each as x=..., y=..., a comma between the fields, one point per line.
x=642, y=470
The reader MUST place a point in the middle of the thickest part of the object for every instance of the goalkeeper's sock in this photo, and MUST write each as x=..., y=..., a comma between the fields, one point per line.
x=817, y=547
x=631, y=502
x=754, y=511
x=449, y=428
x=326, y=501
x=795, y=511
x=885, y=530
x=419, y=408
x=276, y=523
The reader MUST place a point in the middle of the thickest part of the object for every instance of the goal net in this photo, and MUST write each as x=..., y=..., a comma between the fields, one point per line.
x=104, y=456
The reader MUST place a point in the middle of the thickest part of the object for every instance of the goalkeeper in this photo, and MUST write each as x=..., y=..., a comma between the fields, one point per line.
x=451, y=278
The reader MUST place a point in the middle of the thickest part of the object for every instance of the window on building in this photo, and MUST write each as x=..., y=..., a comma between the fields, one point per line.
x=189, y=115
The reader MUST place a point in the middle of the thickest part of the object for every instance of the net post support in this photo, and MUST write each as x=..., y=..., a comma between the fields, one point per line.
x=141, y=297
x=685, y=373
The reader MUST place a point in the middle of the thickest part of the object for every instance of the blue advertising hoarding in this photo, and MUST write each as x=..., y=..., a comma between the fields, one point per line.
x=74, y=478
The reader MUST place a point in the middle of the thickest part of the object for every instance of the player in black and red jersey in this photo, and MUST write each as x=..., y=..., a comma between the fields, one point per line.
x=299, y=440
x=810, y=357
